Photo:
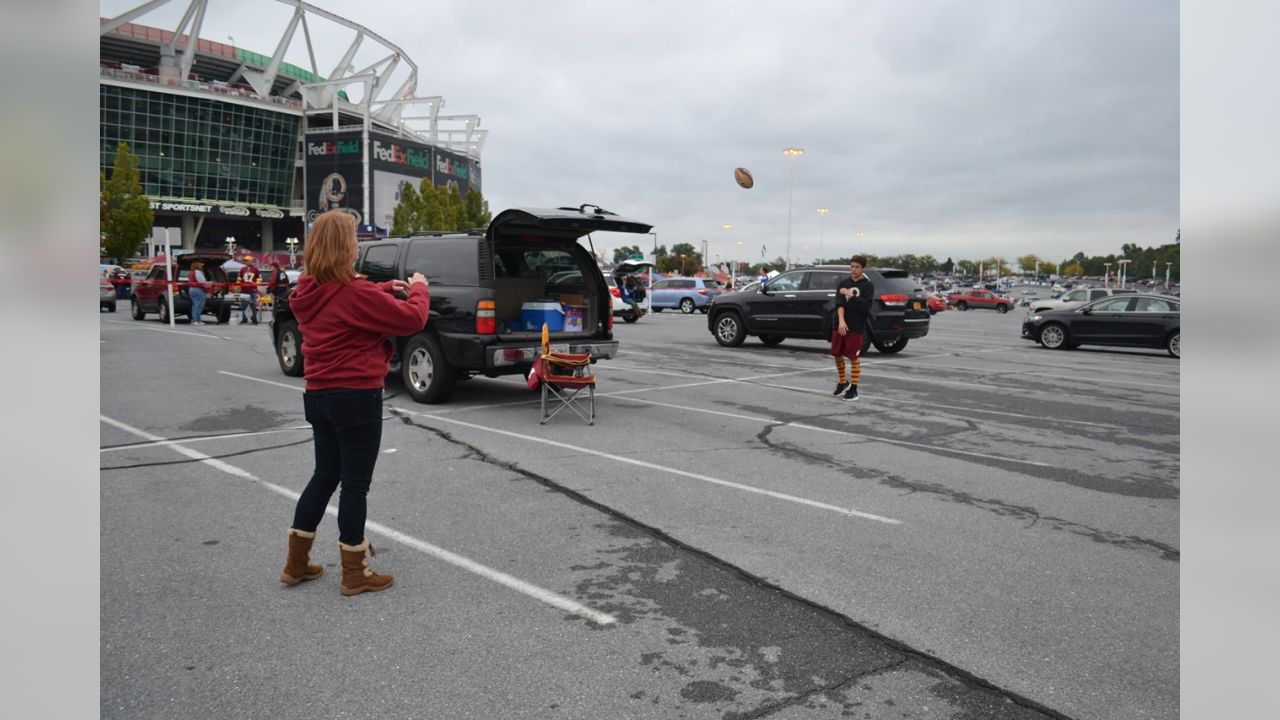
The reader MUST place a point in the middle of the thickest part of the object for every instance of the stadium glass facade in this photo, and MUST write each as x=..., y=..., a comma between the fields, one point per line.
x=201, y=149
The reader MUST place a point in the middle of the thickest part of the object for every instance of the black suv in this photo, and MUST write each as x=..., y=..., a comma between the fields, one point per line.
x=479, y=282
x=799, y=304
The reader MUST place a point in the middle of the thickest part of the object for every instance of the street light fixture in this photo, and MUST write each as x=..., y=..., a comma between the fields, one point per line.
x=1167, y=266
x=1123, y=271
x=293, y=251
x=231, y=246
x=822, y=217
x=1106, y=277
x=792, y=153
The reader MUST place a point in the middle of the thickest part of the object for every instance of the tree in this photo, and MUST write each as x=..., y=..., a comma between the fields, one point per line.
x=948, y=267
x=439, y=208
x=1029, y=263
x=1047, y=268
x=625, y=252
x=124, y=213
x=1074, y=269
x=683, y=257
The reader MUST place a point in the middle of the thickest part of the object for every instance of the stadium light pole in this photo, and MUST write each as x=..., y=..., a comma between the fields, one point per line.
x=1106, y=275
x=231, y=247
x=1167, y=266
x=1123, y=271
x=822, y=217
x=792, y=153
x=293, y=251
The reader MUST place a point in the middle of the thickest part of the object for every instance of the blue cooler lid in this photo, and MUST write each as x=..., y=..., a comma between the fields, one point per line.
x=542, y=305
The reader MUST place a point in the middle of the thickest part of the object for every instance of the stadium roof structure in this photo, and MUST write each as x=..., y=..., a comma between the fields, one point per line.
x=171, y=55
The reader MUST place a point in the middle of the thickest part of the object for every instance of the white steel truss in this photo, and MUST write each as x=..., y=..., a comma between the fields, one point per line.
x=459, y=133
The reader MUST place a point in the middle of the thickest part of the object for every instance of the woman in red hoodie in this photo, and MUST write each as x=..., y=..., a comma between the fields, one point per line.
x=346, y=324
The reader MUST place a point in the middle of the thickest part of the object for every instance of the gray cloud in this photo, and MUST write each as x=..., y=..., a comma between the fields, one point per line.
x=957, y=129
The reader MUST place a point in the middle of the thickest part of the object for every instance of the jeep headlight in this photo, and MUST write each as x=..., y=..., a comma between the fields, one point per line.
x=1036, y=318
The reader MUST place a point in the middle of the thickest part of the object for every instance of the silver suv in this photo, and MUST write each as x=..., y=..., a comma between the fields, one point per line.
x=1074, y=299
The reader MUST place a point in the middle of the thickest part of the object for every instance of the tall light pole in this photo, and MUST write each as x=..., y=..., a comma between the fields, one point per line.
x=293, y=251
x=231, y=247
x=1153, y=272
x=733, y=281
x=1167, y=265
x=1106, y=277
x=792, y=153
x=822, y=217
x=1123, y=271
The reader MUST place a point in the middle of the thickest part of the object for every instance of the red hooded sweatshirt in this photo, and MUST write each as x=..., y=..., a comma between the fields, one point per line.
x=346, y=329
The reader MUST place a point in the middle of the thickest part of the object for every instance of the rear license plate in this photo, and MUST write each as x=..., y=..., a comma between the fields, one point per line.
x=560, y=349
x=915, y=305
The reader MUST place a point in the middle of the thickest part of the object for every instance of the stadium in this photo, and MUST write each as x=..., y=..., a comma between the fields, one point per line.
x=236, y=144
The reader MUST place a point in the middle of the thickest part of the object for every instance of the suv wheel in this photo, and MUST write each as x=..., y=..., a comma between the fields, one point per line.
x=771, y=339
x=1174, y=344
x=289, y=349
x=1053, y=336
x=135, y=310
x=962, y=305
x=164, y=310
x=730, y=331
x=1002, y=308
x=426, y=374
x=224, y=315
x=630, y=316
x=687, y=307
x=891, y=348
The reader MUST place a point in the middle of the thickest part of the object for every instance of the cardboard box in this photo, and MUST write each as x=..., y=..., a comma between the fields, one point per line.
x=573, y=315
x=572, y=299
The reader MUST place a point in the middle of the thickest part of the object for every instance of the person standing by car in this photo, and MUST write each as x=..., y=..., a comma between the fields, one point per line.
x=853, y=303
x=279, y=284
x=346, y=324
x=249, y=286
x=196, y=291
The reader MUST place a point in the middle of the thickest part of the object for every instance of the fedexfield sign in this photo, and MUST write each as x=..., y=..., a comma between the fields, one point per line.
x=333, y=148
x=398, y=153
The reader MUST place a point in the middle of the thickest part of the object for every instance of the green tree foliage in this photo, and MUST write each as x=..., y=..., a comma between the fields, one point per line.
x=683, y=258
x=439, y=208
x=1073, y=269
x=625, y=252
x=1047, y=268
x=124, y=216
x=1028, y=263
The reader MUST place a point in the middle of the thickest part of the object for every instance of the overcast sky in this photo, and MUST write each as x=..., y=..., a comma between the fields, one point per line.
x=957, y=129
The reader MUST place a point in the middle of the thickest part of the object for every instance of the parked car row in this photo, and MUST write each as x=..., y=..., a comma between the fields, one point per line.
x=1124, y=319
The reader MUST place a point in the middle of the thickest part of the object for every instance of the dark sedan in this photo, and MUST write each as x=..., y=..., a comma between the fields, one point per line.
x=1143, y=321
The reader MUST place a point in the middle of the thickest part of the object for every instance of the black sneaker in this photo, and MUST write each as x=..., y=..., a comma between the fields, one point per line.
x=852, y=393
x=840, y=389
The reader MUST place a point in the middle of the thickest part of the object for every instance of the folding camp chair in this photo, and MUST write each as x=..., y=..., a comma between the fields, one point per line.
x=564, y=376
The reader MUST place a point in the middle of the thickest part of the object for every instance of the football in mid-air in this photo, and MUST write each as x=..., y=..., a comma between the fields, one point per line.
x=743, y=176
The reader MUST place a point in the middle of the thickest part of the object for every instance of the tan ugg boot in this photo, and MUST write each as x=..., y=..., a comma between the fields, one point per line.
x=357, y=577
x=298, y=567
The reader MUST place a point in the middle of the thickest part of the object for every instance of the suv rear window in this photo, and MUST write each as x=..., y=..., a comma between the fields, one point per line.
x=380, y=262
x=894, y=282
x=444, y=261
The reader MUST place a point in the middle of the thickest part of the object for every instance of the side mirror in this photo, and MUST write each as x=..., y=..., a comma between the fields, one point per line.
x=1086, y=311
x=763, y=289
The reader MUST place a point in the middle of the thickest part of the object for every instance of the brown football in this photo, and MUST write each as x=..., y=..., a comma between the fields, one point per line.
x=743, y=176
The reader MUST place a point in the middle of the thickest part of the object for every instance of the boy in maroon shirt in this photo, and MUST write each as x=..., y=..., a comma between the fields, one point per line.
x=853, y=303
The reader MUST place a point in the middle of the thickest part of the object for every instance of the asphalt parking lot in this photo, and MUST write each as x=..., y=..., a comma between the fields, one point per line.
x=990, y=532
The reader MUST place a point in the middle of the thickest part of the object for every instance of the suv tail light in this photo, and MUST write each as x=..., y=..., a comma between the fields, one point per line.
x=615, y=292
x=486, y=318
x=893, y=300
x=608, y=320
x=702, y=291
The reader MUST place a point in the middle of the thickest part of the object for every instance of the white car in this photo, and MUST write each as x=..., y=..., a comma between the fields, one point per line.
x=1074, y=299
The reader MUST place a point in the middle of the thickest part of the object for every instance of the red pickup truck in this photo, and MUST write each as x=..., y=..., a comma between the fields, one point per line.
x=979, y=298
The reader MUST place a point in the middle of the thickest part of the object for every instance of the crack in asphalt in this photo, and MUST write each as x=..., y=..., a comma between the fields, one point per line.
x=992, y=505
x=950, y=671
x=188, y=461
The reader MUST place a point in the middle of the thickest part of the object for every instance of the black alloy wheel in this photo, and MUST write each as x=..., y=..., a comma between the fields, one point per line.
x=890, y=348
x=1002, y=308
x=962, y=305
x=1053, y=336
x=729, y=329
x=135, y=310
x=164, y=310
x=425, y=371
x=289, y=349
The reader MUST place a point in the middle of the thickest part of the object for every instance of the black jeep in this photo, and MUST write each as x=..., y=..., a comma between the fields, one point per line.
x=480, y=281
x=799, y=304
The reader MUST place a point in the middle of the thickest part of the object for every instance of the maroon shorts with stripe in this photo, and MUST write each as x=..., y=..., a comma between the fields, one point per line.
x=848, y=345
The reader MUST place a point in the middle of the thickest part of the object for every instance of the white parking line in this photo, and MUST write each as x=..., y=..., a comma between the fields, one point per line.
x=134, y=326
x=206, y=438
x=268, y=382
x=665, y=469
x=546, y=596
